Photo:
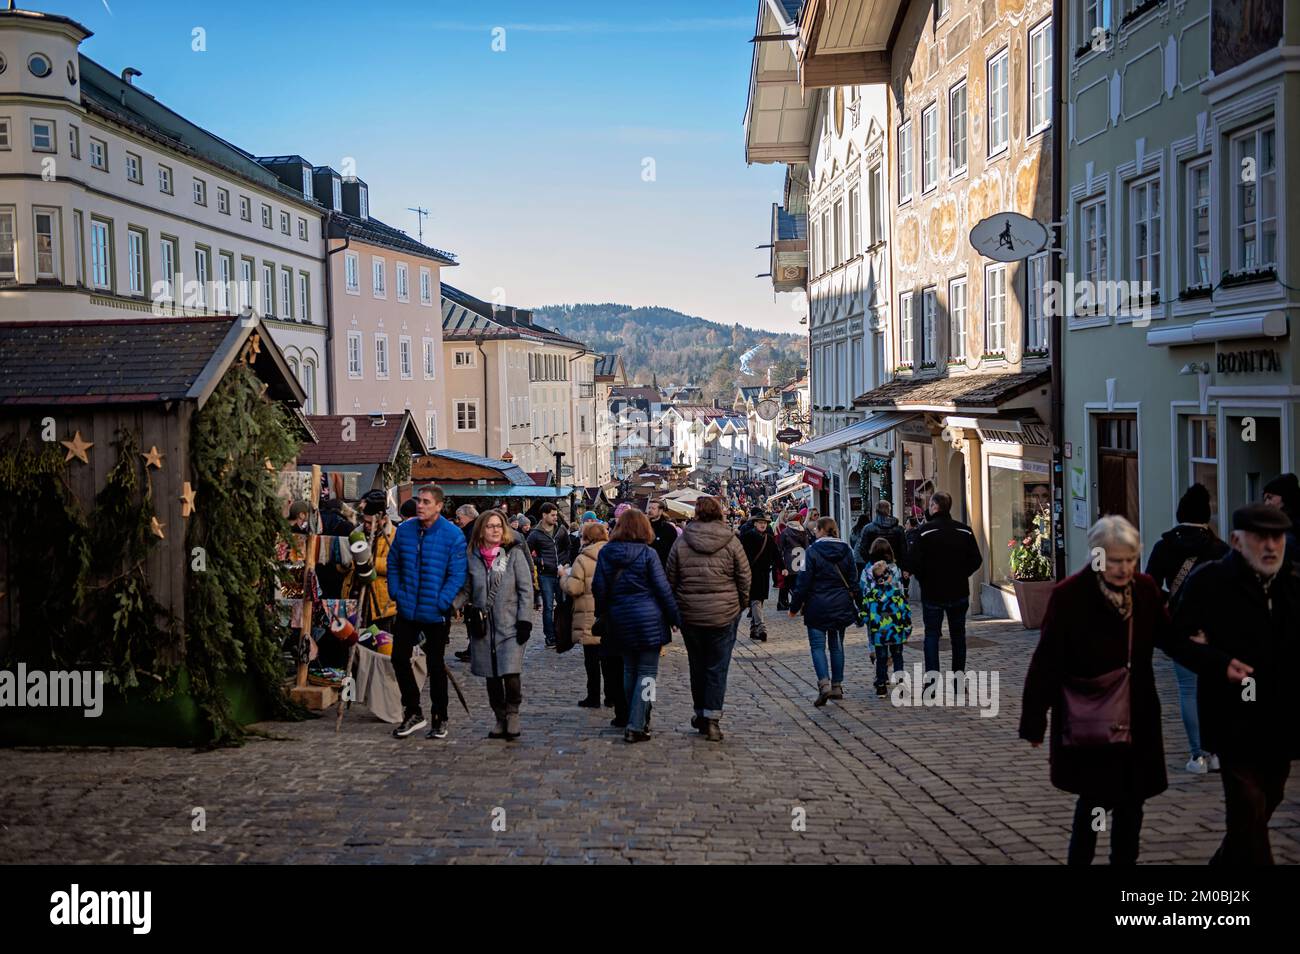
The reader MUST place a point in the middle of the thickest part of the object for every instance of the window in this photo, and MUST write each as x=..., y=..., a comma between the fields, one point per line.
x=246, y=295
x=381, y=356
x=928, y=307
x=74, y=141
x=101, y=245
x=377, y=277
x=817, y=245
x=941, y=8
x=307, y=190
x=165, y=179
x=78, y=245
x=404, y=365
x=225, y=275
x=1092, y=242
x=957, y=320
x=135, y=265
x=266, y=216
x=828, y=240
x=8, y=244
x=1203, y=461
x=1144, y=214
x=1040, y=77
x=202, y=260
x=245, y=208
x=429, y=359
x=1254, y=205
x=167, y=265
x=403, y=290
x=855, y=222
x=354, y=354
x=1198, y=224
x=426, y=287
x=286, y=294
x=351, y=279
x=929, y=147
x=995, y=309
x=286, y=221
x=1037, y=340
x=467, y=415
x=363, y=201
x=39, y=64
x=133, y=169
x=5, y=142
x=904, y=162
x=304, y=296
x=997, y=118
x=200, y=192
x=46, y=230
x=268, y=290
x=905, y=329
x=839, y=232
x=957, y=129
x=875, y=186
x=431, y=419
x=43, y=135
x=223, y=201
x=302, y=229
x=1096, y=17
x=465, y=359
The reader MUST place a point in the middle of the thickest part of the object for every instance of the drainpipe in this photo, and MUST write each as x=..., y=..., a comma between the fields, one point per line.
x=478, y=343
x=1058, y=385
x=329, y=311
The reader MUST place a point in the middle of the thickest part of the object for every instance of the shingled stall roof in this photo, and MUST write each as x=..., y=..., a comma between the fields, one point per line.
x=374, y=439
x=132, y=360
x=955, y=393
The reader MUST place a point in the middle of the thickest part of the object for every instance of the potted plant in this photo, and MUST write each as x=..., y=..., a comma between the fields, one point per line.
x=1031, y=569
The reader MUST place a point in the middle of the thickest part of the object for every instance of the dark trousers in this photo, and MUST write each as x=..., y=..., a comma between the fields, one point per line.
x=1125, y=831
x=933, y=614
x=505, y=693
x=783, y=594
x=596, y=666
x=882, y=655
x=406, y=636
x=1252, y=789
x=708, y=653
x=611, y=667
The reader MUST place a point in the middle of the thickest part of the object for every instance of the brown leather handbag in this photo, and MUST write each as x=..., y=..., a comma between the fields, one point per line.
x=1098, y=710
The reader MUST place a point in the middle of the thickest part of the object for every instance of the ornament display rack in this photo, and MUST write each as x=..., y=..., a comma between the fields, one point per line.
x=311, y=697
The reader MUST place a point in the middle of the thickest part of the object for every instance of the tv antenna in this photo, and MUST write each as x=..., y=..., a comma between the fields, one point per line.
x=421, y=213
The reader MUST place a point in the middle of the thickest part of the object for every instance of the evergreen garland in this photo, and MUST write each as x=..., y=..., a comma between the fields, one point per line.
x=399, y=471
x=230, y=619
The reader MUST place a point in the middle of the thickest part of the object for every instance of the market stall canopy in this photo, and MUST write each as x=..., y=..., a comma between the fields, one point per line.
x=856, y=433
x=468, y=475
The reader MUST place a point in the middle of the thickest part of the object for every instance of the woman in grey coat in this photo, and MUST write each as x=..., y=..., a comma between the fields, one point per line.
x=499, y=586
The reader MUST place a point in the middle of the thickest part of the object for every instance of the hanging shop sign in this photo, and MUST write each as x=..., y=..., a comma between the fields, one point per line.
x=789, y=435
x=1252, y=361
x=814, y=477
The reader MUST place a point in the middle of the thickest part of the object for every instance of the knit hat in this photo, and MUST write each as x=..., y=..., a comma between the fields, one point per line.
x=1286, y=486
x=298, y=508
x=407, y=509
x=1194, y=505
x=375, y=502
x=589, y=515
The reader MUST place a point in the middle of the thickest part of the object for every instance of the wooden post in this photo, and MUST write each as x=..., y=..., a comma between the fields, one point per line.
x=309, y=570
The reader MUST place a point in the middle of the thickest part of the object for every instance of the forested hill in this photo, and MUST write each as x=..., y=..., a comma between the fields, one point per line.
x=678, y=348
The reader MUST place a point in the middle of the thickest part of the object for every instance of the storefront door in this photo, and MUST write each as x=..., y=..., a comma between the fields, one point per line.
x=1117, y=466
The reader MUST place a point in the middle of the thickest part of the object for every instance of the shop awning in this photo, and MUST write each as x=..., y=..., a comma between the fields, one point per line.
x=788, y=492
x=505, y=490
x=856, y=433
x=789, y=482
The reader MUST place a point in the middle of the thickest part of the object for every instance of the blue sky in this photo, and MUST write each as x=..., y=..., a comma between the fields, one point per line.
x=529, y=159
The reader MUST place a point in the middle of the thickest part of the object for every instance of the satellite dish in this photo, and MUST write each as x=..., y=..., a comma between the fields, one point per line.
x=1008, y=237
x=767, y=410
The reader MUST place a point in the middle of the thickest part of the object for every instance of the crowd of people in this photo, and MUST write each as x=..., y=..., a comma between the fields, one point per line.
x=1227, y=614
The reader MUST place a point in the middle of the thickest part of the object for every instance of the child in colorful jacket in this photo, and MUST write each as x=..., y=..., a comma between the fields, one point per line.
x=885, y=611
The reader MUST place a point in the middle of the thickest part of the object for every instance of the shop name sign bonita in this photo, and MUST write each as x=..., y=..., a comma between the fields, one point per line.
x=1248, y=362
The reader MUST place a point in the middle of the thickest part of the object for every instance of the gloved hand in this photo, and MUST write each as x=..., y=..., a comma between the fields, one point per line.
x=523, y=631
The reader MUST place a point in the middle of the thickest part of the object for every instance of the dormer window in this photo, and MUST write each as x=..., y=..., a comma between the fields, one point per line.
x=363, y=199
x=307, y=191
x=337, y=194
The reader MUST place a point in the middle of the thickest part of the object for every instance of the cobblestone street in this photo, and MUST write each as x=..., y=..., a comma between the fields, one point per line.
x=878, y=783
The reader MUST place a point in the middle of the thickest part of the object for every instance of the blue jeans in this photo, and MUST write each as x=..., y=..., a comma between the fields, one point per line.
x=640, y=672
x=550, y=587
x=933, y=614
x=817, y=640
x=708, y=652
x=1187, y=704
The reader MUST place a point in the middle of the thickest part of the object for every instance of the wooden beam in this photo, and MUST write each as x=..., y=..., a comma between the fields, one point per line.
x=844, y=69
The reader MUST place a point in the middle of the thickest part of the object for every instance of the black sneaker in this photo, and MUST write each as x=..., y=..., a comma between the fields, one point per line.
x=438, y=730
x=462, y=655
x=549, y=641
x=589, y=703
x=410, y=725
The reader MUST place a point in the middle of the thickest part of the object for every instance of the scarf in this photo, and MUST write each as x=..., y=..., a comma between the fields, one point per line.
x=489, y=554
x=1119, y=598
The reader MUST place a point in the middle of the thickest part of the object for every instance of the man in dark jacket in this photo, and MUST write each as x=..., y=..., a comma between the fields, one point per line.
x=1239, y=618
x=943, y=556
x=550, y=549
x=1283, y=492
x=793, y=540
x=763, y=555
x=886, y=525
x=426, y=569
x=665, y=534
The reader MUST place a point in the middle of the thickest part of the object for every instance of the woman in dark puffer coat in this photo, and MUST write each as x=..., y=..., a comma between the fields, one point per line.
x=633, y=599
x=830, y=596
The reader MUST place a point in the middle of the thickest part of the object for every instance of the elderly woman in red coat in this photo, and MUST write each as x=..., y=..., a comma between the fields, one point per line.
x=1092, y=669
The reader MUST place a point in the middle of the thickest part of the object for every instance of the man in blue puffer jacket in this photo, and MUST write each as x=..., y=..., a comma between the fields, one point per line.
x=426, y=569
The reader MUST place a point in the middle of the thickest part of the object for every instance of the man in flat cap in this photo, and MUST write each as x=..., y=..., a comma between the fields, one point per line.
x=1240, y=617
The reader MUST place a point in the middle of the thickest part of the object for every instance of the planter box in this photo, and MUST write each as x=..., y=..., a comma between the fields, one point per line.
x=1032, y=600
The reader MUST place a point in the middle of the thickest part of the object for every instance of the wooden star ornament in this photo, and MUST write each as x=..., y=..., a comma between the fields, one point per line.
x=187, y=499
x=154, y=458
x=77, y=448
x=157, y=528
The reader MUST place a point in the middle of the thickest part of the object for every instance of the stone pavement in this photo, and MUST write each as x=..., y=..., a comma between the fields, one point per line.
x=873, y=783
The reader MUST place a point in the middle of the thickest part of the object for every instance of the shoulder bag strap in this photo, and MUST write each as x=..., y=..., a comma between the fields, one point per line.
x=1188, y=565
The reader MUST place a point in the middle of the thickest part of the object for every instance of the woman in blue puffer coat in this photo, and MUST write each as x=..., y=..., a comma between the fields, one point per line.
x=830, y=596
x=637, y=608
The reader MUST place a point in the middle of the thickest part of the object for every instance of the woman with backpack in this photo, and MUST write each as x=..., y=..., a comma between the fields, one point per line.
x=884, y=605
x=637, y=608
x=830, y=596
